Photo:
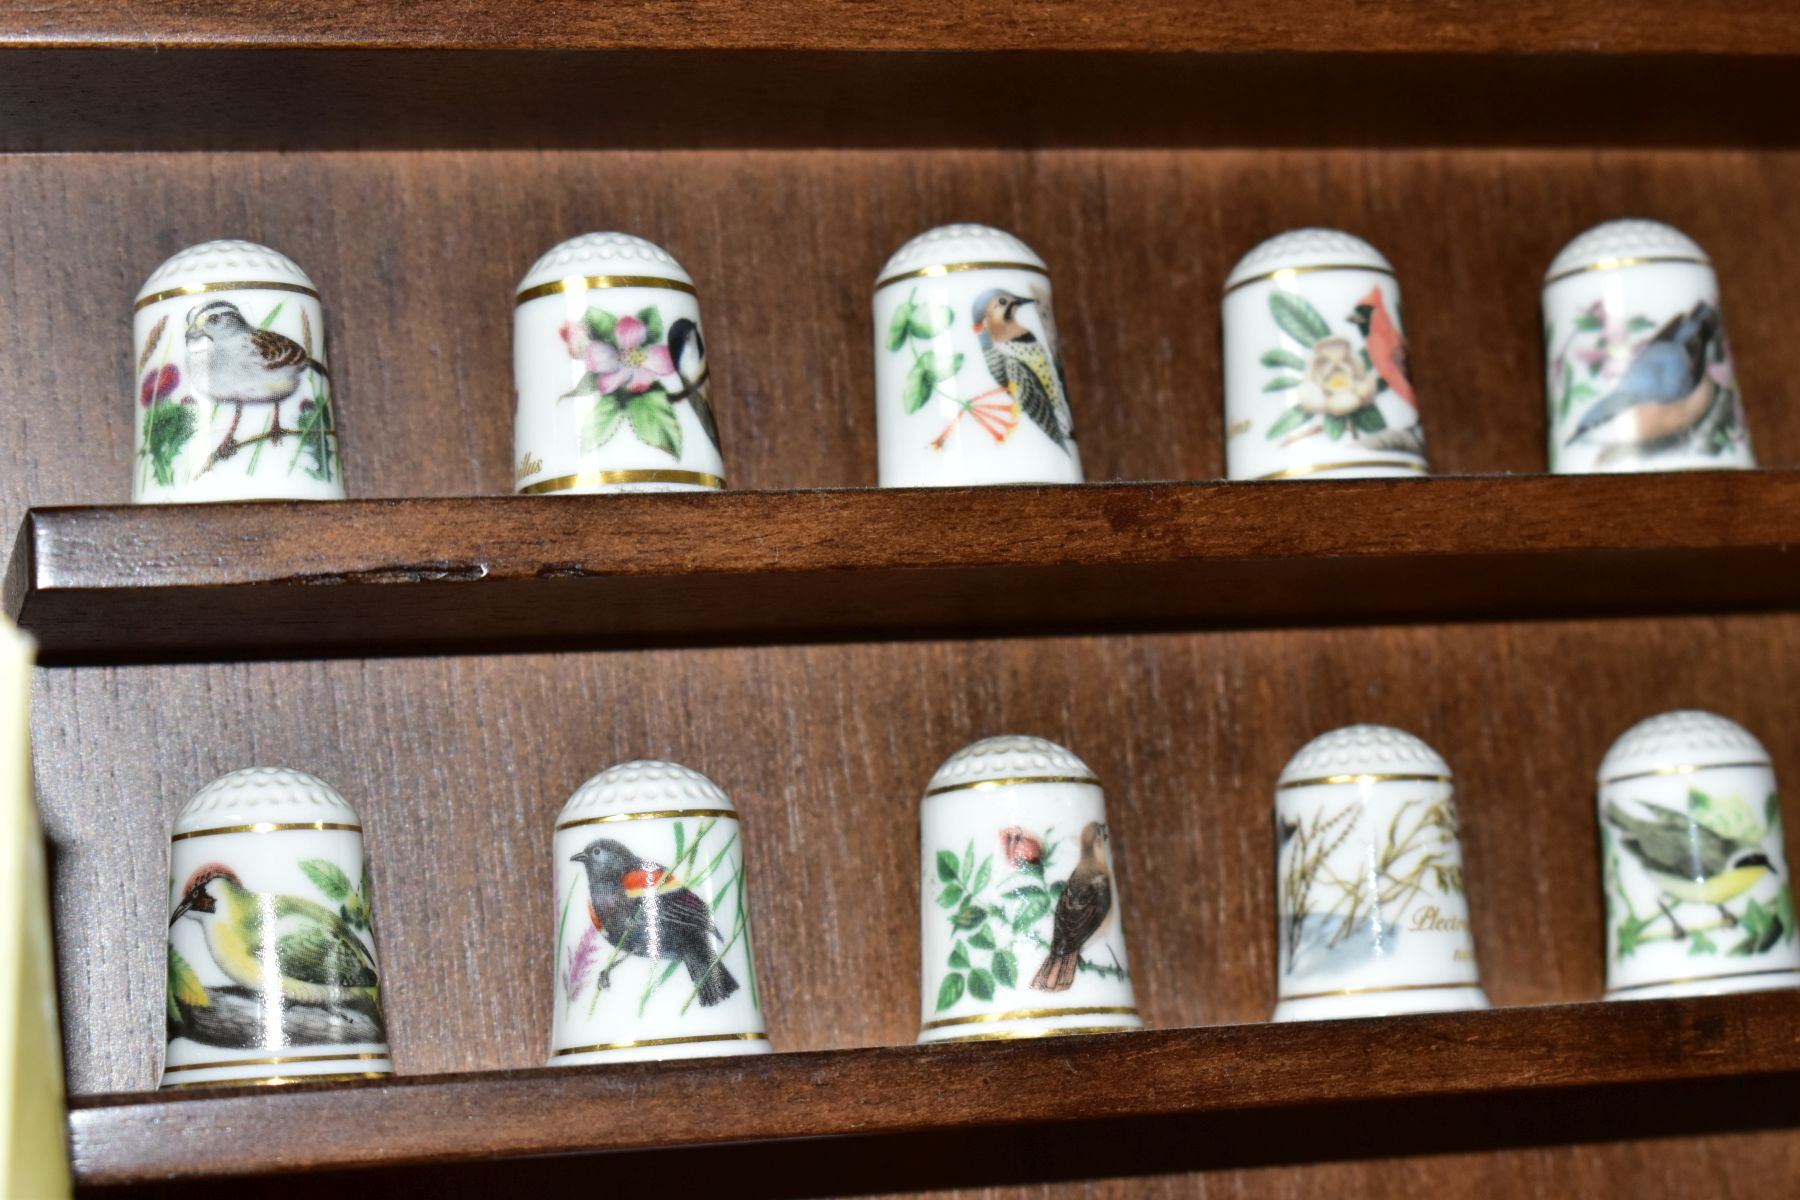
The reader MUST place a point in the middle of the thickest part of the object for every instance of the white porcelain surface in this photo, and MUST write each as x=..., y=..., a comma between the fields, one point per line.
x=653, y=957
x=1639, y=374
x=1698, y=896
x=1016, y=863
x=969, y=383
x=272, y=969
x=1371, y=914
x=1316, y=382
x=233, y=392
x=610, y=370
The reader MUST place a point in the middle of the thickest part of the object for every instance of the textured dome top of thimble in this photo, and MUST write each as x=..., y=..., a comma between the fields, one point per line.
x=224, y=262
x=644, y=786
x=1306, y=248
x=264, y=794
x=1684, y=738
x=604, y=254
x=1364, y=750
x=1624, y=239
x=1010, y=756
x=948, y=245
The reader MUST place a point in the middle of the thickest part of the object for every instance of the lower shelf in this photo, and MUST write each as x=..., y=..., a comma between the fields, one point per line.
x=1237, y=1069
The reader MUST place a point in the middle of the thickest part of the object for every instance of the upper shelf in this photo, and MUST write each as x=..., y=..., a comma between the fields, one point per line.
x=1755, y=27
x=1267, y=1073
x=270, y=74
x=383, y=576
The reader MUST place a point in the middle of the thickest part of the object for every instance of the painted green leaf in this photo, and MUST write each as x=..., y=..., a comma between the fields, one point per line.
x=1282, y=383
x=981, y=876
x=167, y=427
x=1006, y=968
x=680, y=841
x=929, y=320
x=1056, y=889
x=1297, y=318
x=273, y=313
x=1699, y=943
x=950, y=991
x=1640, y=325
x=1293, y=418
x=1335, y=426
x=959, y=957
x=653, y=325
x=1631, y=934
x=1283, y=358
x=946, y=866
x=1030, y=913
x=1369, y=420
x=900, y=325
x=918, y=387
x=1756, y=920
x=983, y=939
x=1772, y=811
x=327, y=877
x=601, y=324
x=969, y=916
x=950, y=897
x=602, y=423
x=1589, y=323
x=653, y=419
x=1023, y=890
x=981, y=984
x=1784, y=911
x=968, y=862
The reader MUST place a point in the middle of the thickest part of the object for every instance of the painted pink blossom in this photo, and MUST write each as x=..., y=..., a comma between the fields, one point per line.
x=1020, y=847
x=575, y=337
x=159, y=384
x=581, y=961
x=633, y=366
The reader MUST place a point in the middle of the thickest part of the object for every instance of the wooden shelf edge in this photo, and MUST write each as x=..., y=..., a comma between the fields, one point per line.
x=918, y=1089
x=391, y=576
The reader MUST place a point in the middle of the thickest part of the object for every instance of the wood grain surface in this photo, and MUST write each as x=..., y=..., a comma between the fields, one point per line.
x=127, y=583
x=1536, y=1055
x=459, y=764
x=1643, y=26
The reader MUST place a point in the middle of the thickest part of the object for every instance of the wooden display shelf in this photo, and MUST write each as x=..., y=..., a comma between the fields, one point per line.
x=393, y=575
x=918, y=1089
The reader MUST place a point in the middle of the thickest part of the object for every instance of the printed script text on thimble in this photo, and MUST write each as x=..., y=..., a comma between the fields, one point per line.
x=272, y=969
x=1021, y=927
x=969, y=382
x=613, y=390
x=1317, y=382
x=1371, y=914
x=233, y=394
x=652, y=941
x=1693, y=861
x=1640, y=376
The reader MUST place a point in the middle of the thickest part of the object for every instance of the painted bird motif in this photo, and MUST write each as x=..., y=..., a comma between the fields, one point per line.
x=1666, y=391
x=1082, y=912
x=1022, y=364
x=642, y=910
x=232, y=362
x=1385, y=343
x=687, y=349
x=1687, y=861
x=319, y=959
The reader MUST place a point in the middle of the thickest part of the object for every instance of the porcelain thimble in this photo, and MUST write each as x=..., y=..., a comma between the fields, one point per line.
x=1020, y=916
x=1698, y=896
x=609, y=363
x=272, y=969
x=233, y=393
x=1639, y=369
x=653, y=956
x=969, y=383
x=1371, y=914
x=1316, y=381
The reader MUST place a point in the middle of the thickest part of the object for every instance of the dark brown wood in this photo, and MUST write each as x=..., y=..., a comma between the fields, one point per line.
x=916, y=1088
x=100, y=584
x=112, y=99
x=1531, y=26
